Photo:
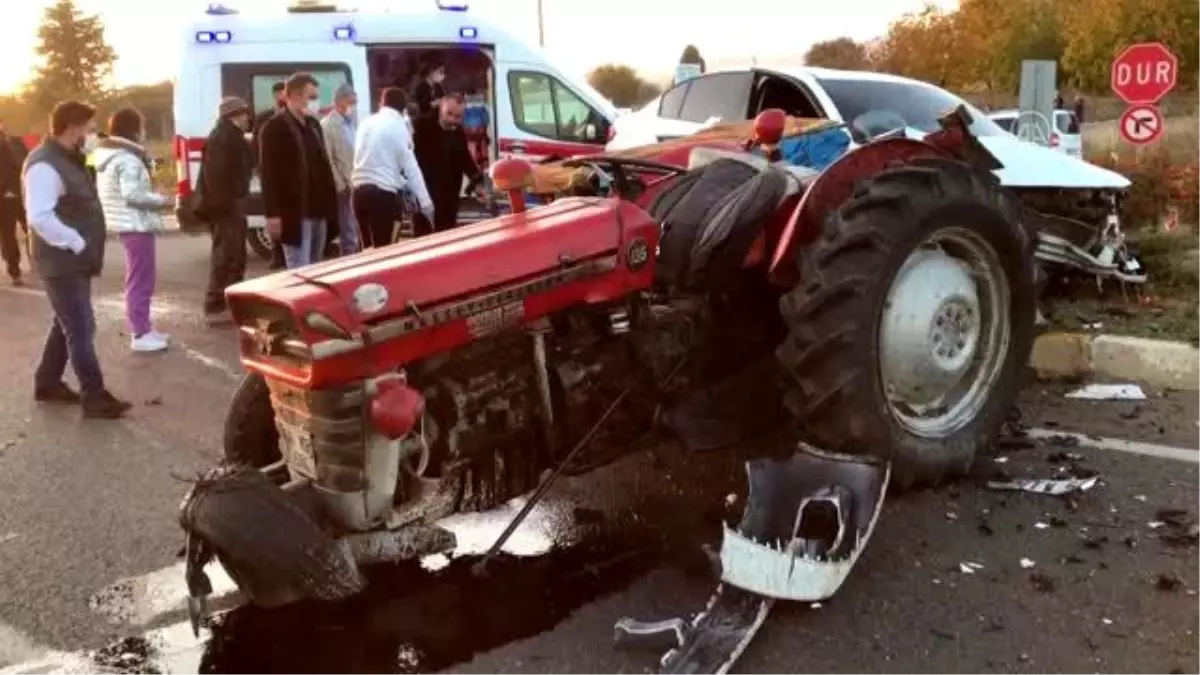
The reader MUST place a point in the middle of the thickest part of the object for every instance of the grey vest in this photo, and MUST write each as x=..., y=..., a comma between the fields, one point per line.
x=78, y=208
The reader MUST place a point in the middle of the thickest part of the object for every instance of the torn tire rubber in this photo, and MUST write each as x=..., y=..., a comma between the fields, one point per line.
x=272, y=548
x=251, y=438
x=833, y=349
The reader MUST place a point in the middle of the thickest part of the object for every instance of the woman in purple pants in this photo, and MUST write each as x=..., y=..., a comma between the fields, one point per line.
x=134, y=210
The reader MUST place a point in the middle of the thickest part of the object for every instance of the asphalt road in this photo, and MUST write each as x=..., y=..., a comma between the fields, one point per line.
x=88, y=541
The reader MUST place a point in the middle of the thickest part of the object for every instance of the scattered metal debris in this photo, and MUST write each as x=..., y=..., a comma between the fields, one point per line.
x=1045, y=486
x=1109, y=392
x=1168, y=582
x=1177, y=528
x=1042, y=582
x=1026, y=564
x=969, y=567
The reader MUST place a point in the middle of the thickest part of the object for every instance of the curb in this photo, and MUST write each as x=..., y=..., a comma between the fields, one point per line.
x=1158, y=363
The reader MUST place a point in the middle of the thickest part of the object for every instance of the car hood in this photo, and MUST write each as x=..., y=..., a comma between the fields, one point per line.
x=1031, y=165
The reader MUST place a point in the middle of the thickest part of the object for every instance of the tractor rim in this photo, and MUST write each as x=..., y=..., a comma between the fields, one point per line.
x=944, y=333
x=264, y=238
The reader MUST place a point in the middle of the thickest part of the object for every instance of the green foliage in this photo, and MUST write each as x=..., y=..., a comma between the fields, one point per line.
x=76, y=59
x=622, y=85
x=841, y=53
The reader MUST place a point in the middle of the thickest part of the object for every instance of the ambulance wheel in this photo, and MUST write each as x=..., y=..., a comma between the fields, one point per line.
x=913, y=320
x=260, y=242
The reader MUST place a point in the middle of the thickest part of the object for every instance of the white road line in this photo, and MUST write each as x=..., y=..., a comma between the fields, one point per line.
x=214, y=363
x=1119, y=445
x=173, y=649
x=140, y=600
x=16, y=646
x=114, y=305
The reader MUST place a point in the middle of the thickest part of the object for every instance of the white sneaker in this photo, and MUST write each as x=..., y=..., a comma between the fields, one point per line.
x=161, y=336
x=148, y=343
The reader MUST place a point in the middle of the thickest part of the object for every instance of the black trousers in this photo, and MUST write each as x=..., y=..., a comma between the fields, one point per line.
x=228, y=264
x=377, y=211
x=11, y=213
x=445, y=216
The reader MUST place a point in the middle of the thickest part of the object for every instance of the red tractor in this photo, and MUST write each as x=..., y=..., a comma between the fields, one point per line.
x=854, y=326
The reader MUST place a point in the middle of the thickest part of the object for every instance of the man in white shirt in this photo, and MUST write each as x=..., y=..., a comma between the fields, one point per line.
x=385, y=166
x=68, y=230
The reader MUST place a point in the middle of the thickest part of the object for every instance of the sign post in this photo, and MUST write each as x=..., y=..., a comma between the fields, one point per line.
x=1039, y=85
x=1142, y=75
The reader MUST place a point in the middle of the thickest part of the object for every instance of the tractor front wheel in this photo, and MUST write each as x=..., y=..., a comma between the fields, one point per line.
x=913, y=320
x=251, y=438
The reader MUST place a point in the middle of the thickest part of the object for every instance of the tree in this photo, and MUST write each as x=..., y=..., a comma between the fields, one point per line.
x=923, y=45
x=841, y=52
x=1095, y=32
x=622, y=85
x=76, y=59
x=691, y=55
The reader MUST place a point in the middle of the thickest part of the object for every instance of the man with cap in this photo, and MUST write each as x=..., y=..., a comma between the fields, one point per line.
x=260, y=121
x=224, y=185
x=339, y=127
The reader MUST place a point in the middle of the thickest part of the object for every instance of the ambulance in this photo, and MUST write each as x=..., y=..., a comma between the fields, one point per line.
x=525, y=104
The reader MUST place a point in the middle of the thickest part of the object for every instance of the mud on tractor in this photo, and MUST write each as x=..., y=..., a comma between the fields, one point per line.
x=846, y=328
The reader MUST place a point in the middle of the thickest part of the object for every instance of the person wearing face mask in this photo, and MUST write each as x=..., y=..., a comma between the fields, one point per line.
x=299, y=195
x=64, y=213
x=429, y=89
x=444, y=158
x=338, y=127
x=134, y=210
x=224, y=186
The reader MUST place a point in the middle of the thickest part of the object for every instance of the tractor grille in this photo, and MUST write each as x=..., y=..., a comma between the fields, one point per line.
x=322, y=434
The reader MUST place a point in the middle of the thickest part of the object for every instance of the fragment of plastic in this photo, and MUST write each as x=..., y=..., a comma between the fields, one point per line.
x=815, y=150
x=808, y=520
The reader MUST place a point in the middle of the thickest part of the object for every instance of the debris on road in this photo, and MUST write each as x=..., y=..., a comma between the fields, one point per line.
x=1026, y=563
x=1168, y=583
x=1045, y=486
x=1042, y=582
x=1109, y=392
x=1177, y=527
x=969, y=567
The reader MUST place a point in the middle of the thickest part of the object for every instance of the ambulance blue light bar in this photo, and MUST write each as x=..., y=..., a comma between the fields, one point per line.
x=210, y=36
x=451, y=6
x=468, y=32
x=343, y=33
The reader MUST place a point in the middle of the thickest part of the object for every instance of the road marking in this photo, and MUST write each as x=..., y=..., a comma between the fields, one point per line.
x=1120, y=445
x=16, y=646
x=157, y=309
x=173, y=649
x=214, y=363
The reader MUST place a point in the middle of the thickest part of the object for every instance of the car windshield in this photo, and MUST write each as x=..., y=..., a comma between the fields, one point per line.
x=874, y=107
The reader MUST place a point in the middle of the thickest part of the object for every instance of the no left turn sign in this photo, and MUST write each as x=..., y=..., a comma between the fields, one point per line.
x=1141, y=124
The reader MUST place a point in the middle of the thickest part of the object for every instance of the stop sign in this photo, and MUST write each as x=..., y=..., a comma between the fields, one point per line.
x=1144, y=73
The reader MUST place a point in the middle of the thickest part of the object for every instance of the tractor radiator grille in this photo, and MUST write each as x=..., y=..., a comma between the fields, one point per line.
x=322, y=434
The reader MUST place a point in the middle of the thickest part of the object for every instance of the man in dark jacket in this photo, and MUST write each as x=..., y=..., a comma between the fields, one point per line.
x=260, y=121
x=444, y=157
x=68, y=231
x=11, y=207
x=299, y=194
x=224, y=185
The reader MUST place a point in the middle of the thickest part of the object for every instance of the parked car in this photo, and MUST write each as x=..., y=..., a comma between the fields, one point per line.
x=1064, y=135
x=1073, y=203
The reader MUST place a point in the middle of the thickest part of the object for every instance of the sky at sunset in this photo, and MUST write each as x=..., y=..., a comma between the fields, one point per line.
x=142, y=31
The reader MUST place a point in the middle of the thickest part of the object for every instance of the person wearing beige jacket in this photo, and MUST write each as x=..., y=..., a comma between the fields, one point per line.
x=339, y=128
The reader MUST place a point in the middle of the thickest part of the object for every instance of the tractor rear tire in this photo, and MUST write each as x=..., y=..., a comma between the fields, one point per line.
x=843, y=305
x=251, y=438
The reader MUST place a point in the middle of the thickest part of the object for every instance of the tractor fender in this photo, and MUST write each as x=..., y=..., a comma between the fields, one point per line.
x=830, y=190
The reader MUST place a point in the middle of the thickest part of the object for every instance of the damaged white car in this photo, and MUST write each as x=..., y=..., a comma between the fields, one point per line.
x=1076, y=202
